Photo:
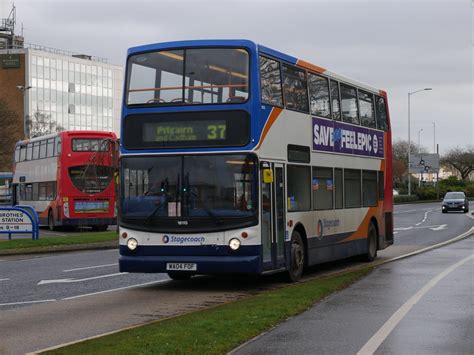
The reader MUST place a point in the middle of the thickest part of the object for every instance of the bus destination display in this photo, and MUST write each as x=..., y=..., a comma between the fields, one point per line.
x=181, y=131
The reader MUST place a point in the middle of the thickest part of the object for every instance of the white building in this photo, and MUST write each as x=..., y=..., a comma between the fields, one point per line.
x=70, y=91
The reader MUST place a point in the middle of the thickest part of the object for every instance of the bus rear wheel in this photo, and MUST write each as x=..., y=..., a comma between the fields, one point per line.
x=296, y=258
x=179, y=275
x=51, y=224
x=371, y=243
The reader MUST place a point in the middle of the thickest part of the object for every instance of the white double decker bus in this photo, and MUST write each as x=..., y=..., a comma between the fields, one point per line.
x=237, y=158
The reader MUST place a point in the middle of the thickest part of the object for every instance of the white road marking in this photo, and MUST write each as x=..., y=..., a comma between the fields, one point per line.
x=424, y=218
x=45, y=282
x=90, y=267
x=435, y=227
x=373, y=344
x=116, y=289
x=403, y=228
x=439, y=228
x=26, y=302
x=4, y=279
x=418, y=210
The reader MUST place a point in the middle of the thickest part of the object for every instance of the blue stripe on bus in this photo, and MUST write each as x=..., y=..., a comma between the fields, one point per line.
x=276, y=54
x=205, y=264
x=194, y=43
x=200, y=250
x=331, y=252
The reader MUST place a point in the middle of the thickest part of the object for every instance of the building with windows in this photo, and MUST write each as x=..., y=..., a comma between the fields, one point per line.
x=51, y=90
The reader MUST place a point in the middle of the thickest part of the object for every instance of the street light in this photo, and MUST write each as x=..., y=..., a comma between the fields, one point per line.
x=419, y=145
x=419, y=142
x=434, y=137
x=409, y=138
x=23, y=90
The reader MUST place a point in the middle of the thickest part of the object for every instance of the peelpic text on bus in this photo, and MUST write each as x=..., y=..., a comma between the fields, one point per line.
x=69, y=178
x=239, y=159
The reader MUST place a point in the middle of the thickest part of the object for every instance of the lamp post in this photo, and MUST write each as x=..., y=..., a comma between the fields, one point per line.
x=419, y=145
x=435, y=151
x=409, y=138
x=23, y=90
x=419, y=142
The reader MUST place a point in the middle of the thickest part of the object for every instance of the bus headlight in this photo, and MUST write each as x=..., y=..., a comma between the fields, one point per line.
x=234, y=244
x=132, y=244
x=66, y=209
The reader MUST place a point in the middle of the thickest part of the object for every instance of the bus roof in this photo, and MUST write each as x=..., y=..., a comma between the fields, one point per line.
x=261, y=49
x=69, y=133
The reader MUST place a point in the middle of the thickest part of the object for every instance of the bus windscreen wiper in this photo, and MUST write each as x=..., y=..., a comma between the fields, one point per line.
x=152, y=214
x=205, y=207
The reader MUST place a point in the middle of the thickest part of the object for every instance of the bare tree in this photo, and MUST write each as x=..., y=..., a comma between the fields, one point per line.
x=399, y=170
x=400, y=150
x=9, y=134
x=460, y=160
x=41, y=124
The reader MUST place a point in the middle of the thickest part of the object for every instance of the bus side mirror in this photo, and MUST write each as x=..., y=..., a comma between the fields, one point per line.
x=267, y=176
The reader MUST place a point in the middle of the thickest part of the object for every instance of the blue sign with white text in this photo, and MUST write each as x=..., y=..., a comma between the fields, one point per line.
x=19, y=220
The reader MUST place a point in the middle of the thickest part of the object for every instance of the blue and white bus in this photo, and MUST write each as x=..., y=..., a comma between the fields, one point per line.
x=237, y=158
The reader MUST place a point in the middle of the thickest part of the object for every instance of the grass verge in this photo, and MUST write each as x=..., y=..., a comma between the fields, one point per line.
x=48, y=242
x=219, y=329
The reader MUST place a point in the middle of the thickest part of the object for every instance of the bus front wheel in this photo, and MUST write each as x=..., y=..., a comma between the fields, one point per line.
x=51, y=224
x=296, y=258
x=100, y=228
x=371, y=243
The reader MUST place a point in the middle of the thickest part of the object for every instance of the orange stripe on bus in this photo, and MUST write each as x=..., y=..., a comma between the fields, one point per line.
x=271, y=119
x=310, y=66
x=361, y=232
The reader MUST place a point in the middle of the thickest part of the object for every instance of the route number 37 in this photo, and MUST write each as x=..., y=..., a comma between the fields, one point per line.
x=216, y=131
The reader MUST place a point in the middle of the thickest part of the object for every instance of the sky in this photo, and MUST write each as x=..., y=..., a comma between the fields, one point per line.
x=400, y=46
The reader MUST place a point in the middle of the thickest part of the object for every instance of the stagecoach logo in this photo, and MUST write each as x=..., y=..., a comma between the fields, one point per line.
x=326, y=223
x=319, y=230
x=174, y=239
x=375, y=144
x=338, y=137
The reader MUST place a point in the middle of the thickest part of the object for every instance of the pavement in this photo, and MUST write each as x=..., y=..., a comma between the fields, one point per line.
x=417, y=305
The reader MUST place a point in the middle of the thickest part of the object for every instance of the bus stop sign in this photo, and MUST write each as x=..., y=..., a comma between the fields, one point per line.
x=19, y=220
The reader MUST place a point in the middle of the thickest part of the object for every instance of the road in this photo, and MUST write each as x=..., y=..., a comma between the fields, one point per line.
x=418, y=305
x=81, y=294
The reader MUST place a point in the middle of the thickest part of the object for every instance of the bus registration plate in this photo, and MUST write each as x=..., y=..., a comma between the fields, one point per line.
x=181, y=266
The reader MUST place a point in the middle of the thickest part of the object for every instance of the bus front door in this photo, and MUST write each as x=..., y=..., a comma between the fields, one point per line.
x=15, y=194
x=273, y=218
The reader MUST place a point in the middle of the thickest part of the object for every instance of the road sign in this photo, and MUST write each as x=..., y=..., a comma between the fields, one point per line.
x=424, y=163
x=19, y=220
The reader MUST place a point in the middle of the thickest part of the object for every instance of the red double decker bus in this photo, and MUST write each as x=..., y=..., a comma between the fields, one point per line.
x=68, y=177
